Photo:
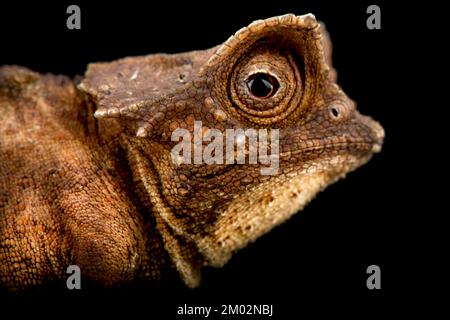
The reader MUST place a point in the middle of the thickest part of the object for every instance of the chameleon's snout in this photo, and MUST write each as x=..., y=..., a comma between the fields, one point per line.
x=378, y=136
x=378, y=133
x=372, y=130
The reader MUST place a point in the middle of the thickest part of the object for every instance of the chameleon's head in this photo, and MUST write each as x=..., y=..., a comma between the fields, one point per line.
x=237, y=138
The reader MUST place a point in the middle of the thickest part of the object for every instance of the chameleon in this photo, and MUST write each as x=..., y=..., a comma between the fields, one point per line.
x=87, y=176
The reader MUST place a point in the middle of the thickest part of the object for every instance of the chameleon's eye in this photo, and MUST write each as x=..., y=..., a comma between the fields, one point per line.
x=266, y=85
x=262, y=85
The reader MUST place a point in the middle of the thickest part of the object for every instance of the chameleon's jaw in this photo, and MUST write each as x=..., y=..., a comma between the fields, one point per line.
x=269, y=203
x=239, y=215
x=258, y=210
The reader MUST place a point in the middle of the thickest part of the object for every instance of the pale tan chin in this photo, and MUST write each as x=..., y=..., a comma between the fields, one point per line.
x=257, y=211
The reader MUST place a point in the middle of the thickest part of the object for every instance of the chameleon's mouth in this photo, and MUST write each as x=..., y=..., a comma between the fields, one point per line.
x=370, y=143
x=357, y=148
x=326, y=146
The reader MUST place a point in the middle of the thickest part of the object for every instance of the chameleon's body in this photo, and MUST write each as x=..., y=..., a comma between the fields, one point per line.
x=103, y=192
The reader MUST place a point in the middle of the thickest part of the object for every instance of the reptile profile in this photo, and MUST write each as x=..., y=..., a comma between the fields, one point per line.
x=87, y=177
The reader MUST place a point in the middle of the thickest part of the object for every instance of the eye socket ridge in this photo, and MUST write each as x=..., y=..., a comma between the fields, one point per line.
x=262, y=85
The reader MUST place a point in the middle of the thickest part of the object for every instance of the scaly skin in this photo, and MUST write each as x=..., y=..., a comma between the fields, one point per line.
x=86, y=175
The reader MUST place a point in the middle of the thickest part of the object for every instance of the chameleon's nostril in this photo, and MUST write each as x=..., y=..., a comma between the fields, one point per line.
x=334, y=112
x=338, y=111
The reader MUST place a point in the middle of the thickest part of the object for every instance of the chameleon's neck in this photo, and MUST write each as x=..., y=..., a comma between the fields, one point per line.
x=181, y=251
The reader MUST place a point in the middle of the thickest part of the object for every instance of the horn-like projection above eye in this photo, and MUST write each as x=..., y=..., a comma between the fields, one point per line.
x=272, y=70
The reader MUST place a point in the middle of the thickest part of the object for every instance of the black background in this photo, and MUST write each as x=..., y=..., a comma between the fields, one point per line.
x=317, y=260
